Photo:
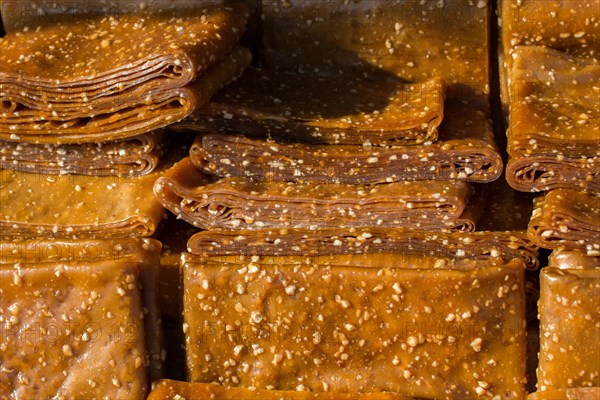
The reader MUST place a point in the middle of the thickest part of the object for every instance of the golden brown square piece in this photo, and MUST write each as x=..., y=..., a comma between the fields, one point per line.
x=569, y=312
x=414, y=325
x=72, y=318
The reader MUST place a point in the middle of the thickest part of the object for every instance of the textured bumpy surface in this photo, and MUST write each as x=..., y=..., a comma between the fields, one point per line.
x=553, y=135
x=77, y=206
x=565, y=219
x=132, y=157
x=466, y=151
x=168, y=390
x=327, y=110
x=238, y=203
x=71, y=316
x=74, y=81
x=409, y=39
x=569, y=327
x=315, y=323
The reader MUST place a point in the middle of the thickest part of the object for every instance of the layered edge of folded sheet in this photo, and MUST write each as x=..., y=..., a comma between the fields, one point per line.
x=77, y=206
x=569, y=325
x=169, y=389
x=84, y=310
x=325, y=110
x=466, y=151
x=565, y=219
x=352, y=296
x=145, y=92
x=136, y=156
x=235, y=203
x=552, y=140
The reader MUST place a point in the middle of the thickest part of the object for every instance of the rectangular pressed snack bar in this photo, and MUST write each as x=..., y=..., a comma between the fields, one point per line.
x=74, y=319
x=318, y=323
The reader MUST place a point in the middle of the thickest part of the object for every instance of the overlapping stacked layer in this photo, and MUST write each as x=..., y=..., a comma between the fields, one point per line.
x=550, y=87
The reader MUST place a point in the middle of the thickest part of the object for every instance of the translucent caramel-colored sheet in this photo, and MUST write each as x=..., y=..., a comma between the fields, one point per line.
x=573, y=260
x=466, y=151
x=296, y=242
x=553, y=135
x=566, y=219
x=238, y=203
x=72, y=321
x=328, y=110
x=570, y=329
x=77, y=206
x=168, y=390
x=99, y=78
x=132, y=157
x=567, y=394
x=357, y=324
x=19, y=14
x=502, y=232
x=571, y=26
x=410, y=39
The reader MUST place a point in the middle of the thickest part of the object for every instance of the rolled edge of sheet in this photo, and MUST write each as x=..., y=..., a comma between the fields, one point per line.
x=233, y=203
x=566, y=219
x=133, y=157
x=169, y=390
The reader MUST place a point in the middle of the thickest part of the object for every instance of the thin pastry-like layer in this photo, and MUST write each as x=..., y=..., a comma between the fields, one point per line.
x=316, y=323
x=297, y=242
x=100, y=78
x=553, y=136
x=466, y=151
x=502, y=232
x=569, y=329
x=169, y=390
x=72, y=318
x=327, y=110
x=570, y=26
x=565, y=219
x=238, y=203
x=77, y=206
x=410, y=39
x=131, y=157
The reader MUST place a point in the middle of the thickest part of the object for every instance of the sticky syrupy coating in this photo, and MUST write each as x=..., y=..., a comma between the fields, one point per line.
x=569, y=329
x=566, y=219
x=77, y=206
x=381, y=38
x=169, y=390
x=136, y=156
x=553, y=134
x=570, y=26
x=113, y=74
x=317, y=324
x=332, y=110
x=72, y=318
x=466, y=151
x=239, y=203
